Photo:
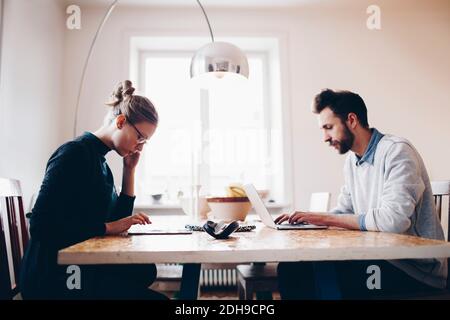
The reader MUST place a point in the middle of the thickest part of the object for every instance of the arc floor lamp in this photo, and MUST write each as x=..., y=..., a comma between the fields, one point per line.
x=215, y=59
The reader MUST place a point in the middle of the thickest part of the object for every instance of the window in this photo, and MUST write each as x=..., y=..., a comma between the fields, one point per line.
x=217, y=136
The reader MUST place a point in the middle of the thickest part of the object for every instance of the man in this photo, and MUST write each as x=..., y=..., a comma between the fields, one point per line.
x=386, y=189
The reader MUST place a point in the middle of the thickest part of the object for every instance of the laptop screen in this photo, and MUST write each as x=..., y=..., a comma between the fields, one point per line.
x=259, y=206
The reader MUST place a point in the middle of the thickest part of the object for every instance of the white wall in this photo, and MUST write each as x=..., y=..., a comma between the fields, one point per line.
x=30, y=92
x=402, y=71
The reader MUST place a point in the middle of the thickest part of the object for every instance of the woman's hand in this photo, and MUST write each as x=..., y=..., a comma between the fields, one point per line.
x=122, y=225
x=130, y=161
x=129, y=164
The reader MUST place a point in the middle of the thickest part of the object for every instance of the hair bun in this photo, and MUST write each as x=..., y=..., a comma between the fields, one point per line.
x=127, y=88
x=122, y=90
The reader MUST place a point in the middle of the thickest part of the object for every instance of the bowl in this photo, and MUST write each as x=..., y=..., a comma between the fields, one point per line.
x=229, y=208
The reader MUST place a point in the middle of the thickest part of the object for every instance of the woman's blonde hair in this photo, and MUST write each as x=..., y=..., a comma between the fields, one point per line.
x=135, y=108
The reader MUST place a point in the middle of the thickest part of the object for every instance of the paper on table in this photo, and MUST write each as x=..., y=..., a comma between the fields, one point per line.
x=138, y=229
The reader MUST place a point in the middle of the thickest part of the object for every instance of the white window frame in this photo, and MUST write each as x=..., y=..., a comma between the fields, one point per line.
x=276, y=56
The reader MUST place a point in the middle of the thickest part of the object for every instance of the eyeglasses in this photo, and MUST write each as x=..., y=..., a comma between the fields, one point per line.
x=141, y=137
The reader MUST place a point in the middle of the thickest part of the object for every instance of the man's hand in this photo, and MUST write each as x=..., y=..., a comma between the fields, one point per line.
x=122, y=225
x=319, y=219
x=347, y=221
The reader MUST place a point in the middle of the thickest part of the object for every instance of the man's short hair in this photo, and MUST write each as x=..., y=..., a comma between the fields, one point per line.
x=341, y=103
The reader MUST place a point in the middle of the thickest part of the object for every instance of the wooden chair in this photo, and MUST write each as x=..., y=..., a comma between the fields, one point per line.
x=258, y=278
x=5, y=278
x=168, y=278
x=320, y=202
x=441, y=190
x=261, y=278
x=14, y=235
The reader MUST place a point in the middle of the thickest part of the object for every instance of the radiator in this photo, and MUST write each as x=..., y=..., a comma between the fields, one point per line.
x=212, y=278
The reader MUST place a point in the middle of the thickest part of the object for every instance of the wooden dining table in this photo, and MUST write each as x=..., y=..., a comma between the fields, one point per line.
x=262, y=244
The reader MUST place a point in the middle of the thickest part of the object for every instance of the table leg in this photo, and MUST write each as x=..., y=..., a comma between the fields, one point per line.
x=190, y=281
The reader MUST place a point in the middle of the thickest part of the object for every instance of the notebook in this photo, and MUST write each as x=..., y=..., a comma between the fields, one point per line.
x=139, y=229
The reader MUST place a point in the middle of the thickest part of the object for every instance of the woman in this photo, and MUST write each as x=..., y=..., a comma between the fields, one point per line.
x=78, y=201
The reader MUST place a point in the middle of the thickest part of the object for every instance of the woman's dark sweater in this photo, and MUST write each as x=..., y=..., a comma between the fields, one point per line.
x=76, y=199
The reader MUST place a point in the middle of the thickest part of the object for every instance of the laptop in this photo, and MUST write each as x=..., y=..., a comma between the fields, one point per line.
x=265, y=216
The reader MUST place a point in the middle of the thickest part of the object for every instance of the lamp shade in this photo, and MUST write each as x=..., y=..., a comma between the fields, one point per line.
x=219, y=59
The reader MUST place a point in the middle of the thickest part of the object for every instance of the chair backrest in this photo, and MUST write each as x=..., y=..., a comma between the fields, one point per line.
x=5, y=278
x=441, y=190
x=320, y=202
x=14, y=232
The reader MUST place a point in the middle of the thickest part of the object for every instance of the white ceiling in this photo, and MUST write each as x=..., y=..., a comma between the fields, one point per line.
x=205, y=3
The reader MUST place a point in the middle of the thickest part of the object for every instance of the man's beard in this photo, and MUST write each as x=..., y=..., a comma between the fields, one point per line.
x=346, y=143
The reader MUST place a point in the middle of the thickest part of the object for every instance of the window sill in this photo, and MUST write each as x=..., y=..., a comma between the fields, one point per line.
x=163, y=206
